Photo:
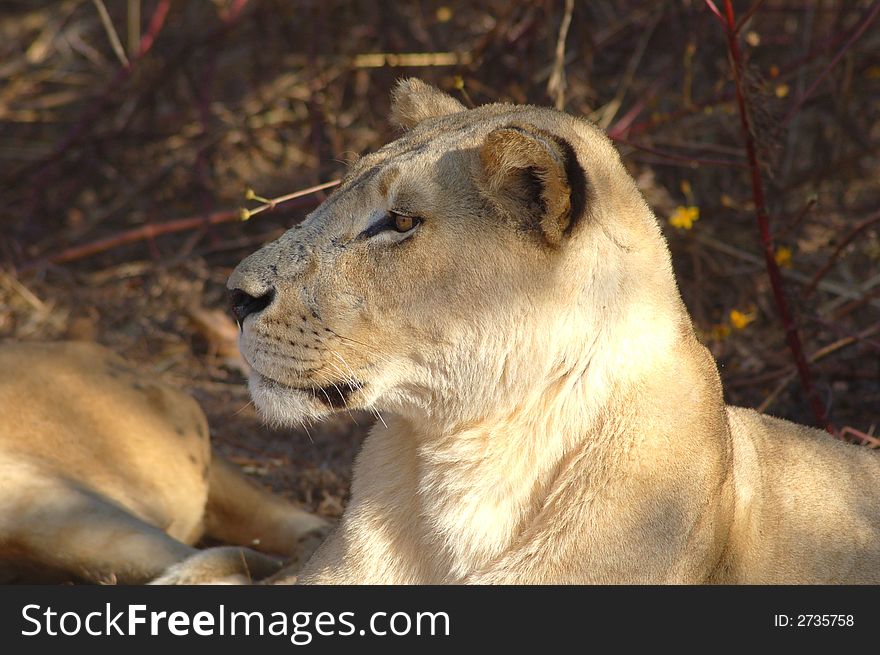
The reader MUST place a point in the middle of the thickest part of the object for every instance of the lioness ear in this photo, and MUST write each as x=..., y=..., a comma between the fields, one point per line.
x=412, y=101
x=533, y=176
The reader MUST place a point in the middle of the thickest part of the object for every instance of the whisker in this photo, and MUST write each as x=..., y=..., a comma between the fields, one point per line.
x=370, y=350
x=379, y=416
x=352, y=379
x=329, y=402
x=346, y=378
x=306, y=428
x=243, y=407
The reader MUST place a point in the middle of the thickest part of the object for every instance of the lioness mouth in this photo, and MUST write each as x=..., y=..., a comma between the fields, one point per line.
x=334, y=395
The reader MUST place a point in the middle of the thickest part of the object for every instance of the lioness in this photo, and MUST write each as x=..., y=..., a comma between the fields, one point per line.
x=107, y=475
x=495, y=286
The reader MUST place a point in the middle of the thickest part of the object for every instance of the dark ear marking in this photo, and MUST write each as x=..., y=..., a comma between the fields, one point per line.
x=577, y=183
x=535, y=178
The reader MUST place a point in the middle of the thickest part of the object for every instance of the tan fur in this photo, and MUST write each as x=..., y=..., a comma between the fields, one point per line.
x=547, y=412
x=414, y=101
x=107, y=475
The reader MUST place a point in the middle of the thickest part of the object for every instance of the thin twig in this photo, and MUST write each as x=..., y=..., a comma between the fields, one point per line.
x=862, y=290
x=157, y=20
x=848, y=239
x=624, y=122
x=797, y=220
x=134, y=25
x=858, y=434
x=717, y=12
x=834, y=326
x=609, y=111
x=152, y=230
x=556, y=84
x=746, y=16
x=815, y=357
x=115, y=43
x=870, y=15
x=694, y=162
x=790, y=274
x=270, y=205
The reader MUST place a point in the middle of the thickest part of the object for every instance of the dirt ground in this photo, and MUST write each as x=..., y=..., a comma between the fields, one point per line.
x=122, y=169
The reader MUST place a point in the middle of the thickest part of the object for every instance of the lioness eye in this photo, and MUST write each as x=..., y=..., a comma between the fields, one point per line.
x=403, y=223
x=392, y=222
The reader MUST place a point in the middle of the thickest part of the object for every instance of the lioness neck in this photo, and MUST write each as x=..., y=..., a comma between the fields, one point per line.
x=481, y=485
x=477, y=492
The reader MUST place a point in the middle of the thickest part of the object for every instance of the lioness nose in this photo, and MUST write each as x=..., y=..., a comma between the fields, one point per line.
x=244, y=304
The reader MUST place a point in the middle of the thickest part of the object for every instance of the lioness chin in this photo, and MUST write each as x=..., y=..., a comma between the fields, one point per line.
x=495, y=286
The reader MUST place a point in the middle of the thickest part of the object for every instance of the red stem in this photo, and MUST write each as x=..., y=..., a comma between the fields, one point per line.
x=156, y=22
x=715, y=11
x=300, y=199
x=745, y=17
x=791, y=331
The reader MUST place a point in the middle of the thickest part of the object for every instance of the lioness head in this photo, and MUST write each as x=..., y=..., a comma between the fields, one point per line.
x=462, y=270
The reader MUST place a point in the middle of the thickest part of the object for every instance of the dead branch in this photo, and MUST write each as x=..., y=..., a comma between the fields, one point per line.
x=556, y=84
x=152, y=230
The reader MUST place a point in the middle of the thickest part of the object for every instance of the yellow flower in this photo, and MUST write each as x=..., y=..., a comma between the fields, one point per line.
x=740, y=320
x=719, y=332
x=684, y=217
x=783, y=257
x=782, y=90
